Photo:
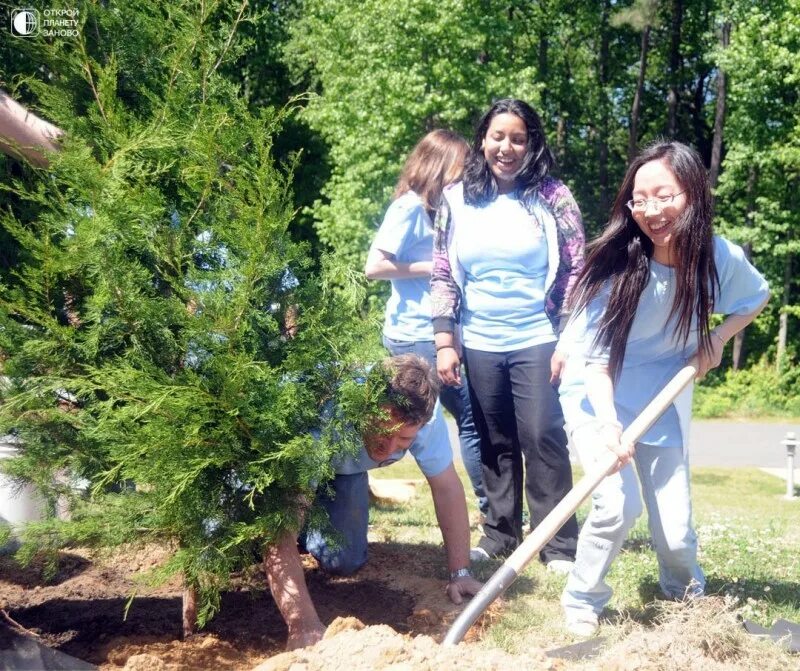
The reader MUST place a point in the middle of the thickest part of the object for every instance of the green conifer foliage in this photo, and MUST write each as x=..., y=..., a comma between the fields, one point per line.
x=161, y=336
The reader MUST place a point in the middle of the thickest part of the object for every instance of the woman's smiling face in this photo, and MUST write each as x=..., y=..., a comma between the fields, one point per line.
x=654, y=181
x=504, y=147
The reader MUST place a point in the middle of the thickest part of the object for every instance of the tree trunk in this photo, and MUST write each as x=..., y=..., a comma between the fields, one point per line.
x=719, y=116
x=633, y=137
x=543, y=74
x=702, y=137
x=189, y=611
x=783, y=328
x=738, y=339
x=674, y=67
x=561, y=138
x=603, y=66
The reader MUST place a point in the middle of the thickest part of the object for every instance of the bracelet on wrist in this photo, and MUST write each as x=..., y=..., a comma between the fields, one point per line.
x=460, y=573
x=440, y=347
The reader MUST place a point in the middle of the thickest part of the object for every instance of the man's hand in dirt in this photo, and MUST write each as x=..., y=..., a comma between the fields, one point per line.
x=462, y=587
x=301, y=637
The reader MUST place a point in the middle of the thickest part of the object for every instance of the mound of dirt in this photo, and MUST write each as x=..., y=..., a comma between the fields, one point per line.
x=700, y=635
x=348, y=644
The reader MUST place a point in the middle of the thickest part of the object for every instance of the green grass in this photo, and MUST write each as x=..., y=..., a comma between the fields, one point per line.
x=749, y=538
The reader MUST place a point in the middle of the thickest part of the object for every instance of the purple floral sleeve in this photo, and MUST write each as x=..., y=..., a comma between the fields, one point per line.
x=571, y=242
x=445, y=294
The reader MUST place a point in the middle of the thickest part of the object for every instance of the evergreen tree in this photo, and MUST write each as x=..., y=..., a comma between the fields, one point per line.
x=161, y=335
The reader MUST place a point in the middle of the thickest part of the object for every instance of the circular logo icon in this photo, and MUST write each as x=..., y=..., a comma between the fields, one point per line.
x=24, y=22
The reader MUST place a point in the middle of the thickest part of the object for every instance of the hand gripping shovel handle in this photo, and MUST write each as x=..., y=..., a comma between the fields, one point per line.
x=521, y=557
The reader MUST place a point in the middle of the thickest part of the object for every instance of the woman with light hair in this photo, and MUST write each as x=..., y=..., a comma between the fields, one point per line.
x=401, y=253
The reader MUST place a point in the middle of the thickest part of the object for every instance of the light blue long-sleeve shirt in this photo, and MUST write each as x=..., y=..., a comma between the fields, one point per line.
x=654, y=353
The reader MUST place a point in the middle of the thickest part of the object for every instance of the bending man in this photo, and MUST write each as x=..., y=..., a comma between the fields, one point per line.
x=409, y=425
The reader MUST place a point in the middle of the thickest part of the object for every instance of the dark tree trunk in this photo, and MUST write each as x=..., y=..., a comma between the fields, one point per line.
x=673, y=95
x=738, y=339
x=633, y=137
x=603, y=66
x=543, y=66
x=702, y=132
x=189, y=611
x=783, y=328
x=561, y=139
x=719, y=116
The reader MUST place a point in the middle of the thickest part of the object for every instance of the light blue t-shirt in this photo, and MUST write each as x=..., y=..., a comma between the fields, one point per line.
x=407, y=234
x=431, y=450
x=654, y=354
x=502, y=250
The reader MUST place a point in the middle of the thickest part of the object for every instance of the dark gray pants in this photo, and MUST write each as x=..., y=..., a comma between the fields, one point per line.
x=518, y=417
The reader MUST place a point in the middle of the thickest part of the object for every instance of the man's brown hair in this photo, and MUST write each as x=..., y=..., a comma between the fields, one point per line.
x=412, y=387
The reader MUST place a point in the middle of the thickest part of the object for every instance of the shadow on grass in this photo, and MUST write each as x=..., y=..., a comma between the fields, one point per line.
x=638, y=544
x=710, y=479
x=777, y=592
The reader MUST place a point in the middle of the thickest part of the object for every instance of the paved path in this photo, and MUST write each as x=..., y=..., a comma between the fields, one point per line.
x=719, y=442
x=728, y=443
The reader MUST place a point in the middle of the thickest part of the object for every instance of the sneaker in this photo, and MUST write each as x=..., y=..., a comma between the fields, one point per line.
x=583, y=624
x=560, y=566
x=478, y=554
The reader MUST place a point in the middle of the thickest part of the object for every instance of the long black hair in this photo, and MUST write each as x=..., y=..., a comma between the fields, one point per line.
x=480, y=185
x=622, y=253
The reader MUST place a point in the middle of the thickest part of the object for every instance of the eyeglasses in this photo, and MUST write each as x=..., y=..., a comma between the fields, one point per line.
x=640, y=204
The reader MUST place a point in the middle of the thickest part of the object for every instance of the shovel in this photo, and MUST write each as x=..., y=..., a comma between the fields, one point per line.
x=549, y=526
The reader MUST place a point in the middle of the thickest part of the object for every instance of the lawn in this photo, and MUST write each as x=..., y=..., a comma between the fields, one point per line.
x=749, y=549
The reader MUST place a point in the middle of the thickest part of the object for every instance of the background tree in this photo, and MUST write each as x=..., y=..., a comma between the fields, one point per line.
x=641, y=16
x=381, y=78
x=265, y=81
x=758, y=188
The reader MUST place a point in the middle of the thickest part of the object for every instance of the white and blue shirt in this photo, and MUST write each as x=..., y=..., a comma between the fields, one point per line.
x=502, y=252
x=654, y=353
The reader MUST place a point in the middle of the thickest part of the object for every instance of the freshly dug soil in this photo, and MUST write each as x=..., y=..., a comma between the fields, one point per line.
x=348, y=644
x=397, y=613
x=81, y=612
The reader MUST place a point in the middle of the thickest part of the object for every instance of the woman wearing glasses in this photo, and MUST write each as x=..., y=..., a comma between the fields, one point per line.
x=641, y=311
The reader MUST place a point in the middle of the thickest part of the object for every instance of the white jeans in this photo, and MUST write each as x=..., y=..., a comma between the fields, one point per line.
x=616, y=503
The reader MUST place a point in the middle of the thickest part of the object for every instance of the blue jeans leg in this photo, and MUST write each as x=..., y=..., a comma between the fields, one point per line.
x=664, y=474
x=348, y=510
x=616, y=504
x=456, y=401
